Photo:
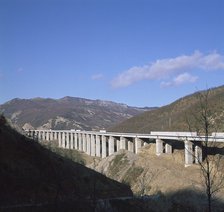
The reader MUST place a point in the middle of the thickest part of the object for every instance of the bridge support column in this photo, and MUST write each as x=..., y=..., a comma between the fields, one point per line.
x=88, y=144
x=51, y=136
x=93, y=145
x=71, y=140
x=76, y=141
x=59, y=139
x=188, y=146
x=55, y=136
x=198, y=154
x=84, y=142
x=123, y=143
x=97, y=145
x=39, y=135
x=104, y=146
x=47, y=135
x=63, y=139
x=130, y=146
x=67, y=141
x=111, y=145
x=138, y=144
x=159, y=147
x=118, y=144
x=168, y=148
x=43, y=136
x=80, y=142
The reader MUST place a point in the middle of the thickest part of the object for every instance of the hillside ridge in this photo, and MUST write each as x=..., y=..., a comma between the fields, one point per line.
x=173, y=117
x=67, y=113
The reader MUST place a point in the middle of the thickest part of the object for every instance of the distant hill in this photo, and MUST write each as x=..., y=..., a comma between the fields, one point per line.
x=31, y=174
x=173, y=117
x=67, y=113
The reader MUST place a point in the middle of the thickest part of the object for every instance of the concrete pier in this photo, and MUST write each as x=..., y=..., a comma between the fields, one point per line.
x=93, y=146
x=168, y=148
x=63, y=140
x=76, y=141
x=67, y=141
x=88, y=144
x=111, y=145
x=130, y=146
x=98, y=146
x=80, y=142
x=104, y=146
x=123, y=142
x=198, y=154
x=138, y=144
x=159, y=147
x=188, y=153
x=72, y=140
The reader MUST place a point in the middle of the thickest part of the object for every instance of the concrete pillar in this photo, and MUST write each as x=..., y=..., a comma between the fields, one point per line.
x=63, y=139
x=80, y=142
x=111, y=145
x=138, y=144
x=93, y=146
x=130, y=146
x=188, y=146
x=118, y=144
x=39, y=135
x=159, y=146
x=84, y=147
x=51, y=136
x=67, y=141
x=76, y=141
x=123, y=143
x=104, y=147
x=88, y=144
x=198, y=154
x=168, y=148
x=97, y=145
x=47, y=135
x=71, y=140
x=59, y=140
x=55, y=135
x=43, y=135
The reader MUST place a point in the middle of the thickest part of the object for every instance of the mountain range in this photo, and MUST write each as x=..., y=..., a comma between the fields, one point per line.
x=67, y=113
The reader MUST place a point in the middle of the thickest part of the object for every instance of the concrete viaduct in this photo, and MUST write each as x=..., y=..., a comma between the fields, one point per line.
x=103, y=144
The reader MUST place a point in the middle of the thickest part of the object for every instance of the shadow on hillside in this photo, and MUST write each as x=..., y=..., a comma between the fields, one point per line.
x=32, y=176
x=183, y=201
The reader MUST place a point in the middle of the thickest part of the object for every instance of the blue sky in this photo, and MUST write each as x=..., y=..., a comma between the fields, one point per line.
x=138, y=52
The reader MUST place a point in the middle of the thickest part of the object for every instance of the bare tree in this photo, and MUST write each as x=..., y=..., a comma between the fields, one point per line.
x=202, y=121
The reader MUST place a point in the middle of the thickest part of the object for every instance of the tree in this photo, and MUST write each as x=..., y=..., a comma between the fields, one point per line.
x=202, y=120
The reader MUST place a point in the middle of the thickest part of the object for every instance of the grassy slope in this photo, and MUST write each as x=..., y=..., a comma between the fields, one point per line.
x=29, y=173
x=173, y=117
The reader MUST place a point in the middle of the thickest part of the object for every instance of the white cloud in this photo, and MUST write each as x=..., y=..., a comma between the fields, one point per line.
x=97, y=77
x=165, y=68
x=180, y=79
